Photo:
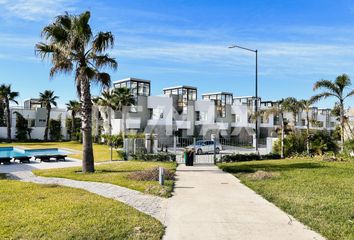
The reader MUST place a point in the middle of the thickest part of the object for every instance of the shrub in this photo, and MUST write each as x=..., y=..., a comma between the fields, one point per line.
x=248, y=157
x=294, y=143
x=122, y=155
x=155, y=157
x=23, y=132
x=322, y=142
x=55, y=130
x=151, y=175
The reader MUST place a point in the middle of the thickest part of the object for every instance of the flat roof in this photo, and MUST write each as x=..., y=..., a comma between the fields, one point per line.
x=246, y=97
x=217, y=93
x=132, y=79
x=181, y=86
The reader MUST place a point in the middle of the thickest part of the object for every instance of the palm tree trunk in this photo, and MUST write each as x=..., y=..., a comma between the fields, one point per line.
x=72, y=125
x=8, y=120
x=282, y=136
x=124, y=123
x=86, y=125
x=47, y=125
x=342, y=126
x=307, y=133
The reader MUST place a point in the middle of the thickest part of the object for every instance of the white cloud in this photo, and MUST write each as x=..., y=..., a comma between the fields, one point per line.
x=34, y=10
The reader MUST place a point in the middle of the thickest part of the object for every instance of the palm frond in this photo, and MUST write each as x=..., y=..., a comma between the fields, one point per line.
x=326, y=84
x=322, y=96
x=104, y=61
x=349, y=94
x=102, y=41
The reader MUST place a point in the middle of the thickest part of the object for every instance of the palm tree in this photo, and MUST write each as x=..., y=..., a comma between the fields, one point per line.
x=47, y=98
x=107, y=100
x=73, y=106
x=305, y=105
x=123, y=98
x=293, y=106
x=8, y=96
x=72, y=46
x=281, y=107
x=336, y=89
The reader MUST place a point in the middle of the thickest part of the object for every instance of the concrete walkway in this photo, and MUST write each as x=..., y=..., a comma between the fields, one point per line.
x=211, y=204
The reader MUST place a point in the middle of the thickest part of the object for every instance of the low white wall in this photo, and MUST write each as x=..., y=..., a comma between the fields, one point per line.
x=37, y=132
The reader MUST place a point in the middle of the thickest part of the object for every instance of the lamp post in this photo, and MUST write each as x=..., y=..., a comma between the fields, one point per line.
x=256, y=88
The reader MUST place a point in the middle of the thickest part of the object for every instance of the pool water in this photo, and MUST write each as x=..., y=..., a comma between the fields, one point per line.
x=18, y=152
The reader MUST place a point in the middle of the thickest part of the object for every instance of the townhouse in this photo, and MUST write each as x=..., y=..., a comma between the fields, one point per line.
x=177, y=111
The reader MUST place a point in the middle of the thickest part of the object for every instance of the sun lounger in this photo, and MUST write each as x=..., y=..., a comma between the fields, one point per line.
x=43, y=158
x=60, y=157
x=5, y=160
x=23, y=159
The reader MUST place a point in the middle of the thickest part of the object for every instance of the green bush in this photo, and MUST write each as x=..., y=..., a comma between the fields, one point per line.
x=294, y=144
x=322, y=142
x=248, y=157
x=23, y=132
x=55, y=130
x=117, y=140
x=155, y=157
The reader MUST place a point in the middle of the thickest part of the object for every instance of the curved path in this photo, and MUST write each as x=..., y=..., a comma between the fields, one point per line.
x=151, y=205
x=211, y=204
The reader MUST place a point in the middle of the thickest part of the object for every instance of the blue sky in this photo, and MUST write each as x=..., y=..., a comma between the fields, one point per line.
x=175, y=42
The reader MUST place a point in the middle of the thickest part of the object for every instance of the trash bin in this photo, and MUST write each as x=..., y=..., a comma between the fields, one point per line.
x=190, y=158
x=185, y=156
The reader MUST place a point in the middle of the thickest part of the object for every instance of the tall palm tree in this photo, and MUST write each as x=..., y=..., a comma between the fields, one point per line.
x=107, y=100
x=123, y=98
x=72, y=46
x=47, y=98
x=338, y=90
x=305, y=105
x=75, y=107
x=7, y=95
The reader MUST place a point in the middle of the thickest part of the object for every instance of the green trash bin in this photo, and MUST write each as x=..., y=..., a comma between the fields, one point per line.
x=185, y=157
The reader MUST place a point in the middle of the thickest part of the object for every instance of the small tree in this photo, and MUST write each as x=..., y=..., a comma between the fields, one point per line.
x=55, y=130
x=74, y=107
x=22, y=129
x=305, y=105
x=47, y=98
x=7, y=95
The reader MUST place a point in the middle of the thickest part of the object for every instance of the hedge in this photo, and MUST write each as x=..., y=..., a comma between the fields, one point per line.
x=248, y=157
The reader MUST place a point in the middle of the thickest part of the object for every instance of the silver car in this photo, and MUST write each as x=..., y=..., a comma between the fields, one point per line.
x=205, y=146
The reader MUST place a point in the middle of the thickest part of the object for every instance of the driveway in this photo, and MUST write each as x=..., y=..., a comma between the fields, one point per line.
x=211, y=204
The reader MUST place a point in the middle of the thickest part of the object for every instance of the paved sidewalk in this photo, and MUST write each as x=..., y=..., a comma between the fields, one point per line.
x=151, y=205
x=211, y=204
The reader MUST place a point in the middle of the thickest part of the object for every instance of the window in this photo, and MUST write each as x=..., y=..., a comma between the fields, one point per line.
x=303, y=122
x=197, y=116
x=332, y=124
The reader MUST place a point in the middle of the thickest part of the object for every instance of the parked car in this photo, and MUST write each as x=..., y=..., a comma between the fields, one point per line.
x=205, y=146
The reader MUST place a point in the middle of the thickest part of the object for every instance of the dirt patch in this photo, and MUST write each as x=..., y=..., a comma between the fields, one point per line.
x=262, y=175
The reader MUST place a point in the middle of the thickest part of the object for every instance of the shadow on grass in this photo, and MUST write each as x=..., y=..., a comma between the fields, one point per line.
x=251, y=168
x=110, y=171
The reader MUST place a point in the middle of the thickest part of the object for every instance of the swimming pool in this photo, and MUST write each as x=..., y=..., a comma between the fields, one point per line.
x=12, y=152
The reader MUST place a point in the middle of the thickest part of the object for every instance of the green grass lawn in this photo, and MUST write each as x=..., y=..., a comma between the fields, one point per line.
x=101, y=152
x=319, y=194
x=116, y=173
x=33, y=211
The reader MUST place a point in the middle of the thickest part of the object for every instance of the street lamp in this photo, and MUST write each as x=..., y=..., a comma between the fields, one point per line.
x=256, y=88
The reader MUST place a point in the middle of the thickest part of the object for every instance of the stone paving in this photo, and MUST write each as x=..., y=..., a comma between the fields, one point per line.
x=151, y=205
